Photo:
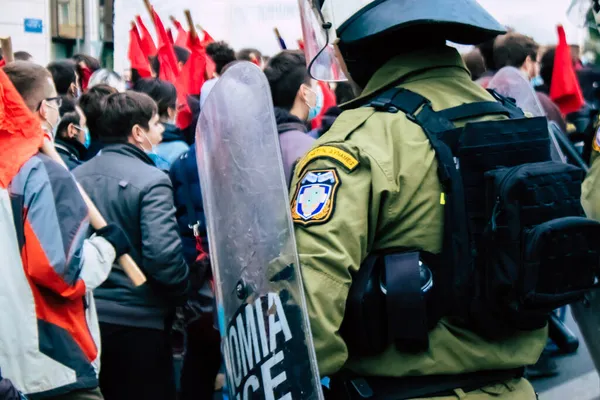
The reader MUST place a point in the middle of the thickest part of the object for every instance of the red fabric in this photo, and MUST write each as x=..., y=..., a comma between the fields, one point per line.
x=69, y=315
x=86, y=74
x=136, y=56
x=21, y=135
x=190, y=81
x=329, y=101
x=207, y=39
x=170, y=35
x=147, y=44
x=182, y=35
x=565, y=90
x=301, y=44
x=2, y=63
x=169, y=69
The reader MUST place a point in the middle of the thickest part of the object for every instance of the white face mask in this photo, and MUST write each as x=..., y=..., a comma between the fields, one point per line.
x=152, y=146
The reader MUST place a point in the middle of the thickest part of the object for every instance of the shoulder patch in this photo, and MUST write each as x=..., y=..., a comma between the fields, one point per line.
x=596, y=143
x=342, y=157
x=314, y=199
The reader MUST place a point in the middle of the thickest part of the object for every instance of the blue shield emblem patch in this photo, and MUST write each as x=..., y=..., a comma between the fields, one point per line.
x=314, y=199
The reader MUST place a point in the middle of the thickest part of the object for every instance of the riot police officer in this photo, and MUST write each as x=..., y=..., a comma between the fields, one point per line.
x=370, y=186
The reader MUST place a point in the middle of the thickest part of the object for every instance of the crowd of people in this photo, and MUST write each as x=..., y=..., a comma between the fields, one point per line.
x=121, y=141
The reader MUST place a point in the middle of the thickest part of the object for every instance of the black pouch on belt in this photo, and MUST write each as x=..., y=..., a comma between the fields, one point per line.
x=387, y=304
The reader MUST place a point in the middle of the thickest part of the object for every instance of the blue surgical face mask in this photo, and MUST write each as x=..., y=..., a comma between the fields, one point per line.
x=313, y=112
x=537, y=81
x=88, y=138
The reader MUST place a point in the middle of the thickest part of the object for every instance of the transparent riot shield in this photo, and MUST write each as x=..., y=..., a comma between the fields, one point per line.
x=510, y=82
x=264, y=326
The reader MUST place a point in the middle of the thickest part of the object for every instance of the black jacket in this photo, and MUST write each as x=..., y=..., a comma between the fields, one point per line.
x=131, y=192
x=70, y=151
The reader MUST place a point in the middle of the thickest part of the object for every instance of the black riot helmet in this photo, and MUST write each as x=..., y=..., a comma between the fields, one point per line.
x=352, y=22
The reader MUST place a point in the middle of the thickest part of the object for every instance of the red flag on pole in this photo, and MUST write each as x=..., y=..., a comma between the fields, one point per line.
x=21, y=135
x=564, y=89
x=170, y=35
x=190, y=81
x=146, y=43
x=169, y=69
x=137, y=58
x=182, y=35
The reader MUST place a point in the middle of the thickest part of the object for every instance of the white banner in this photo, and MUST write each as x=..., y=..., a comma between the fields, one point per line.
x=241, y=23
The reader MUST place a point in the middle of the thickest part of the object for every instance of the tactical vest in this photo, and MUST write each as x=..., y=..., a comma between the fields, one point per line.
x=516, y=243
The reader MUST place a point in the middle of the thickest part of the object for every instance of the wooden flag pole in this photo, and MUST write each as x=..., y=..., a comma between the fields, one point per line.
x=149, y=8
x=97, y=220
x=7, y=51
x=188, y=16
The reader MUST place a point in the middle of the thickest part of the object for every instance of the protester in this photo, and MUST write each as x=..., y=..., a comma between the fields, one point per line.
x=487, y=52
x=68, y=104
x=475, y=63
x=295, y=101
x=22, y=56
x=106, y=77
x=72, y=138
x=221, y=54
x=135, y=195
x=252, y=55
x=91, y=105
x=164, y=94
x=182, y=55
x=86, y=66
x=520, y=51
x=50, y=349
x=202, y=357
x=65, y=77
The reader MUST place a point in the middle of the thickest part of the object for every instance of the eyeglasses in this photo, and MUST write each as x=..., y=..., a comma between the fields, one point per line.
x=57, y=99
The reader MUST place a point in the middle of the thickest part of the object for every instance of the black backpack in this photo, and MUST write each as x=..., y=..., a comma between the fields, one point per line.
x=516, y=243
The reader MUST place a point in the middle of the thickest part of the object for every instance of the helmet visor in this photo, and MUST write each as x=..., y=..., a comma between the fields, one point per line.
x=319, y=38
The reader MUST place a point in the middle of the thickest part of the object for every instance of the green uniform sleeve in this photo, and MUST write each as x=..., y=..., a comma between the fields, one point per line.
x=332, y=249
x=590, y=191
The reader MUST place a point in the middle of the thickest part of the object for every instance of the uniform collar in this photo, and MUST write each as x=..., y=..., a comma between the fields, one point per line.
x=411, y=66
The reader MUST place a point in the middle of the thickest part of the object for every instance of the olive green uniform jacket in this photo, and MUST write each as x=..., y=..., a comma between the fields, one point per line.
x=387, y=196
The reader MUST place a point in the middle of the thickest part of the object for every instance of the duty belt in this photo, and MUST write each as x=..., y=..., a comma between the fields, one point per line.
x=344, y=387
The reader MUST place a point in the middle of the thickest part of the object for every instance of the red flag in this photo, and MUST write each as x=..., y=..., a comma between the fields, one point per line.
x=329, y=101
x=182, y=35
x=170, y=35
x=21, y=135
x=207, y=39
x=565, y=90
x=2, y=63
x=169, y=69
x=190, y=81
x=301, y=44
x=146, y=43
x=137, y=58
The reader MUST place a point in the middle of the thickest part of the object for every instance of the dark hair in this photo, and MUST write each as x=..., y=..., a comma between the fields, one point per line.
x=162, y=92
x=67, y=119
x=92, y=63
x=487, y=51
x=245, y=54
x=221, y=54
x=122, y=111
x=286, y=72
x=475, y=63
x=63, y=74
x=512, y=49
x=547, y=66
x=91, y=105
x=183, y=55
x=344, y=92
x=31, y=81
x=67, y=106
x=22, y=56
